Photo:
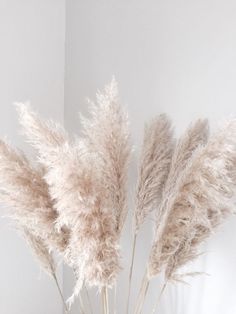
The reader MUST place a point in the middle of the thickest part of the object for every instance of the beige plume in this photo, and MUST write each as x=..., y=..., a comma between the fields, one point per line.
x=107, y=133
x=154, y=167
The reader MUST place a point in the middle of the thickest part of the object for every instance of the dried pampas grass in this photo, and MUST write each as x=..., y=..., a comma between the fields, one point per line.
x=23, y=189
x=108, y=135
x=73, y=200
x=74, y=176
x=153, y=170
x=40, y=251
x=154, y=167
x=205, y=197
x=193, y=138
x=45, y=258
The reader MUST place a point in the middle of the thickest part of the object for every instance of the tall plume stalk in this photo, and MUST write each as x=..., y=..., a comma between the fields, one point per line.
x=195, y=136
x=81, y=199
x=207, y=188
x=23, y=189
x=154, y=166
x=200, y=201
x=107, y=133
x=44, y=256
x=73, y=200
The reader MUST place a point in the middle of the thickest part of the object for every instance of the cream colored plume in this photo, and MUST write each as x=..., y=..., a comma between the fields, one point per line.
x=107, y=132
x=40, y=251
x=44, y=136
x=23, y=190
x=154, y=167
x=209, y=189
x=82, y=201
x=73, y=200
x=200, y=201
x=195, y=136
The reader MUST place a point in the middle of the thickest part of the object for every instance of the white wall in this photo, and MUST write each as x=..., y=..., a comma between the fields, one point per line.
x=169, y=56
x=31, y=68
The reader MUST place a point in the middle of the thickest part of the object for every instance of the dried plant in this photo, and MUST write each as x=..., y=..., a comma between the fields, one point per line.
x=204, y=199
x=73, y=200
x=23, y=189
x=45, y=136
x=194, y=137
x=201, y=200
x=154, y=167
x=107, y=133
x=84, y=205
x=40, y=250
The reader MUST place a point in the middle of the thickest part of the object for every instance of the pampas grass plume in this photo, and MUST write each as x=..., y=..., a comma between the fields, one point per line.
x=73, y=199
x=154, y=167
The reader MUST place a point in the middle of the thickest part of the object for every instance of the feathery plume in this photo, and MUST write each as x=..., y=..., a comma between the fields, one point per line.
x=208, y=189
x=44, y=136
x=194, y=137
x=23, y=189
x=107, y=133
x=40, y=250
x=76, y=202
x=85, y=207
x=202, y=198
x=154, y=167
x=45, y=258
x=82, y=201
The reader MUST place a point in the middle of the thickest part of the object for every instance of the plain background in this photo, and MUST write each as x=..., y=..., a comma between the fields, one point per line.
x=177, y=57
x=31, y=68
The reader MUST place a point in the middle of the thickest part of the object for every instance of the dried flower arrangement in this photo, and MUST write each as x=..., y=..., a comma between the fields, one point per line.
x=73, y=201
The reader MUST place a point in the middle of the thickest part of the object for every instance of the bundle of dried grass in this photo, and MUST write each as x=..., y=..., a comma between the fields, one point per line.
x=76, y=203
x=194, y=137
x=40, y=251
x=45, y=136
x=200, y=201
x=204, y=200
x=108, y=135
x=82, y=200
x=23, y=190
x=154, y=167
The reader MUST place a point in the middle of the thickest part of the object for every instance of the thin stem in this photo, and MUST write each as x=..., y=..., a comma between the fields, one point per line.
x=89, y=301
x=60, y=292
x=142, y=294
x=139, y=294
x=159, y=297
x=81, y=302
x=131, y=271
x=107, y=300
x=115, y=296
x=103, y=296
